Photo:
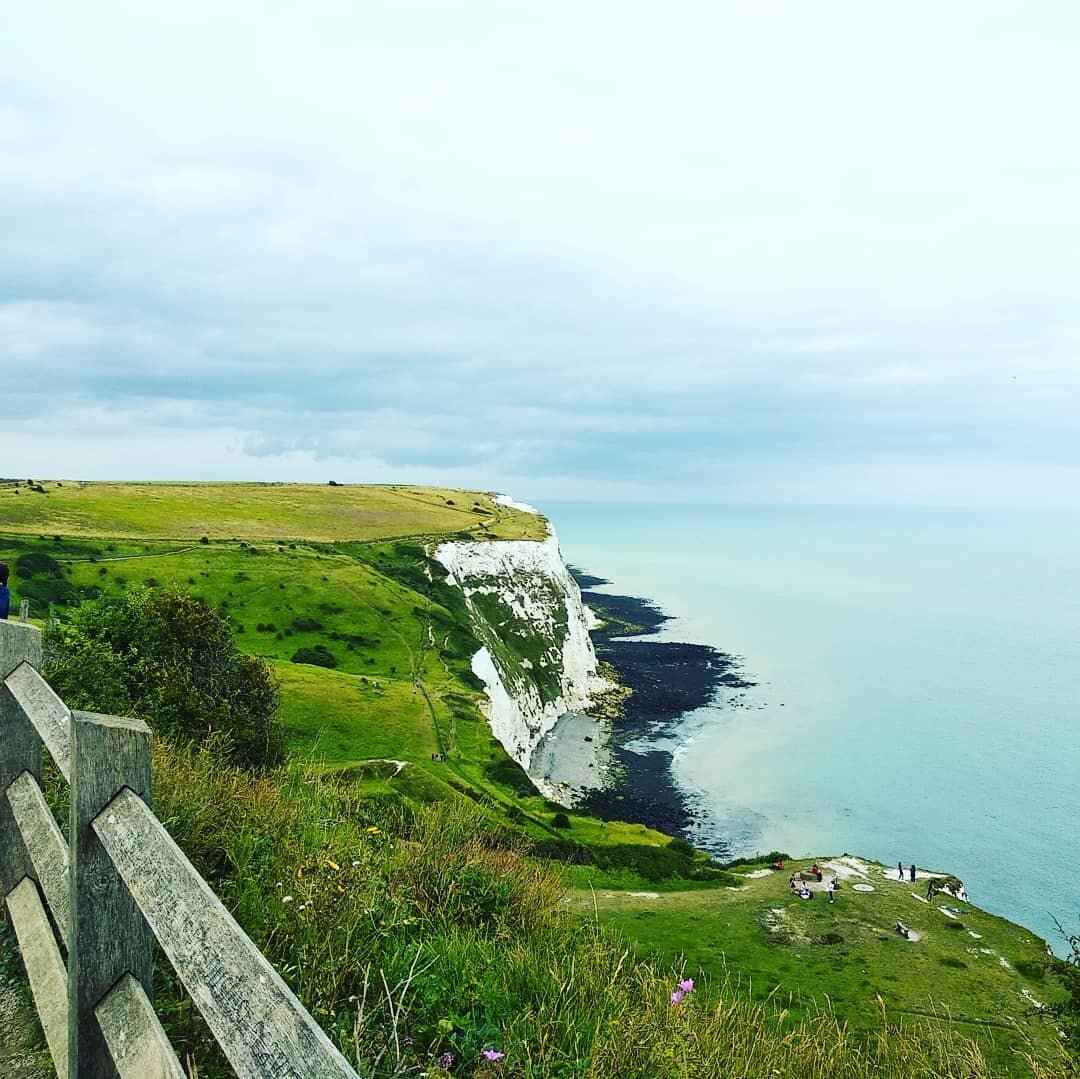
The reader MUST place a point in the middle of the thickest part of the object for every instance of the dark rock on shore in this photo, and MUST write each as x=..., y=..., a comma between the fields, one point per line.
x=667, y=680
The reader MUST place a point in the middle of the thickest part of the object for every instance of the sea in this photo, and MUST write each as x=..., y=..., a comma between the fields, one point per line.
x=916, y=677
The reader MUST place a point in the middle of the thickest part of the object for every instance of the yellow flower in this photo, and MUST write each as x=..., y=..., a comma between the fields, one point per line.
x=333, y=865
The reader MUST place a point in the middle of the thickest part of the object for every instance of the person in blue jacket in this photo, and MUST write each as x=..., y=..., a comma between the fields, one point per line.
x=5, y=595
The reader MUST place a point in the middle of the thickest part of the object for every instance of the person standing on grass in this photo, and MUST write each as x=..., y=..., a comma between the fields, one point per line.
x=899, y=870
x=832, y=889
x=912, y=872
x=5, y=595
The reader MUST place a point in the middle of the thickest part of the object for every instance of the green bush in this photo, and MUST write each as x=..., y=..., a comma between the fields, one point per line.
x=170, y=659
x=560, y=820
x=319, y=656
x=36, y=564
x=510, y=774
x=1031, y=969
x=1067, y=973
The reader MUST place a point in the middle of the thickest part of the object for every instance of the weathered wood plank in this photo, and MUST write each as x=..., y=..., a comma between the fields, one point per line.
x=20, y=747
x=18, y=644
x=108, y=936
x=44, y=967
x=44, y=844
x=140, y=1048
x=49, y=715
x=263, y=1029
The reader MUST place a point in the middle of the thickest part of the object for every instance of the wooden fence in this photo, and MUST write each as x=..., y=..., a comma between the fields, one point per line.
x=86, y=911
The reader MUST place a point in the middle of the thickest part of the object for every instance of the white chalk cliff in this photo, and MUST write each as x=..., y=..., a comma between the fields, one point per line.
x=537, y=661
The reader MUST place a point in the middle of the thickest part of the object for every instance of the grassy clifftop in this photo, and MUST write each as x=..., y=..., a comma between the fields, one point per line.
x=257, y=511
x=371, y=645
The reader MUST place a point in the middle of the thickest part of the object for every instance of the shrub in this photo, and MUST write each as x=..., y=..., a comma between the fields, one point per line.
x=36, y=564
x=306, y=625
x=560, y=820
x=1067, y=973
x=510, y=774
x=319, y=656
x=1031, y=969
x=170, y=659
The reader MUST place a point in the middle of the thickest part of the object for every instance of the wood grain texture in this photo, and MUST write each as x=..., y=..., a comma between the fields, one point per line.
x=49, y=715
x=18, y=644
x=108, y=936
x=45, y=846
x=20, y=746
x=263, y=1029
x=139, y=1046
x=44, y=967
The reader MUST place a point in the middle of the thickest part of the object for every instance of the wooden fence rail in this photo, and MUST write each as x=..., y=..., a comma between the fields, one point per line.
x=87, y=909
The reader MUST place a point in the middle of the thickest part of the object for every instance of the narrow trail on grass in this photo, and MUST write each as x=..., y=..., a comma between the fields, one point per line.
x=131, y=557
x=418, y=681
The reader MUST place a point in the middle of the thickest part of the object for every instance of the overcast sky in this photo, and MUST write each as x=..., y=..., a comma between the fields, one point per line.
x=812, y=252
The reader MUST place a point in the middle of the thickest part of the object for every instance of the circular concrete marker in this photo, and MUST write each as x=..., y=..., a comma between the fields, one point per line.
x=862, y=888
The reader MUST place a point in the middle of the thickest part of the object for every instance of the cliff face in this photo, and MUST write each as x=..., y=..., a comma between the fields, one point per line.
x=537, y=660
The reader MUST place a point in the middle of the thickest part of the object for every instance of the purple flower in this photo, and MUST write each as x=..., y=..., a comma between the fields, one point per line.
x=493, y=1054
x=677, y=996
x=687, y=985
x=446, y=1061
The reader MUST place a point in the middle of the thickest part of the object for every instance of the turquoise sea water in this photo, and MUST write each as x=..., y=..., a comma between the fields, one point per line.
x=918, y=675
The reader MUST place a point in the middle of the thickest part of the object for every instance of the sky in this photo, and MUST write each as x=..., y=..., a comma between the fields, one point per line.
x=772, y=252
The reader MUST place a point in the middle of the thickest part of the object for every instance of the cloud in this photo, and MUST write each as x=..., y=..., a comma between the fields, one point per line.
x=739, y=255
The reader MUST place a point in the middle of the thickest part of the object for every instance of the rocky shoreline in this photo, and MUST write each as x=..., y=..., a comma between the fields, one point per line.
x=666, y=680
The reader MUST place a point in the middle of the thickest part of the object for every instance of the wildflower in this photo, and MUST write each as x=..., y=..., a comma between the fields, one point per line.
x=687, y=985
x=286, y=899
x=333, y=865
x=446, y=1061
x=303, y=906
x=677, y=996
x=355, y=864
x=493, y=1054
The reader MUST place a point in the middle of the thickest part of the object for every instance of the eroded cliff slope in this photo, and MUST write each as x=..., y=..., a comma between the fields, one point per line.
x=536, y=661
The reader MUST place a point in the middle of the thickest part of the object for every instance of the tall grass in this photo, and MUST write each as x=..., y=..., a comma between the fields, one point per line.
x=414, y=932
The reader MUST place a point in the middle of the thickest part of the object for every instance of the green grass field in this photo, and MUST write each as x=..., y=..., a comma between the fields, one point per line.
x=344, y=572
x=976, y=972
x=257, y=511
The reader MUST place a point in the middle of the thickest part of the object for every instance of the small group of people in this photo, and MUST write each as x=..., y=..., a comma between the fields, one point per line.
x=804, y=891
x=900, y=871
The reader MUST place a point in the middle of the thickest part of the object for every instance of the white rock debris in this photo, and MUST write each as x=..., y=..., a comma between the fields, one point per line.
x=506, y=500
x=528, y=579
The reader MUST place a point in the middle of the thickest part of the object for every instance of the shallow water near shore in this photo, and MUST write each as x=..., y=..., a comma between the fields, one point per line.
x=918, y=682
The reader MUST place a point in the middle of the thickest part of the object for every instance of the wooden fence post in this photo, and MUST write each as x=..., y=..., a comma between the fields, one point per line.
x=20, y=749
x=109, y=937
